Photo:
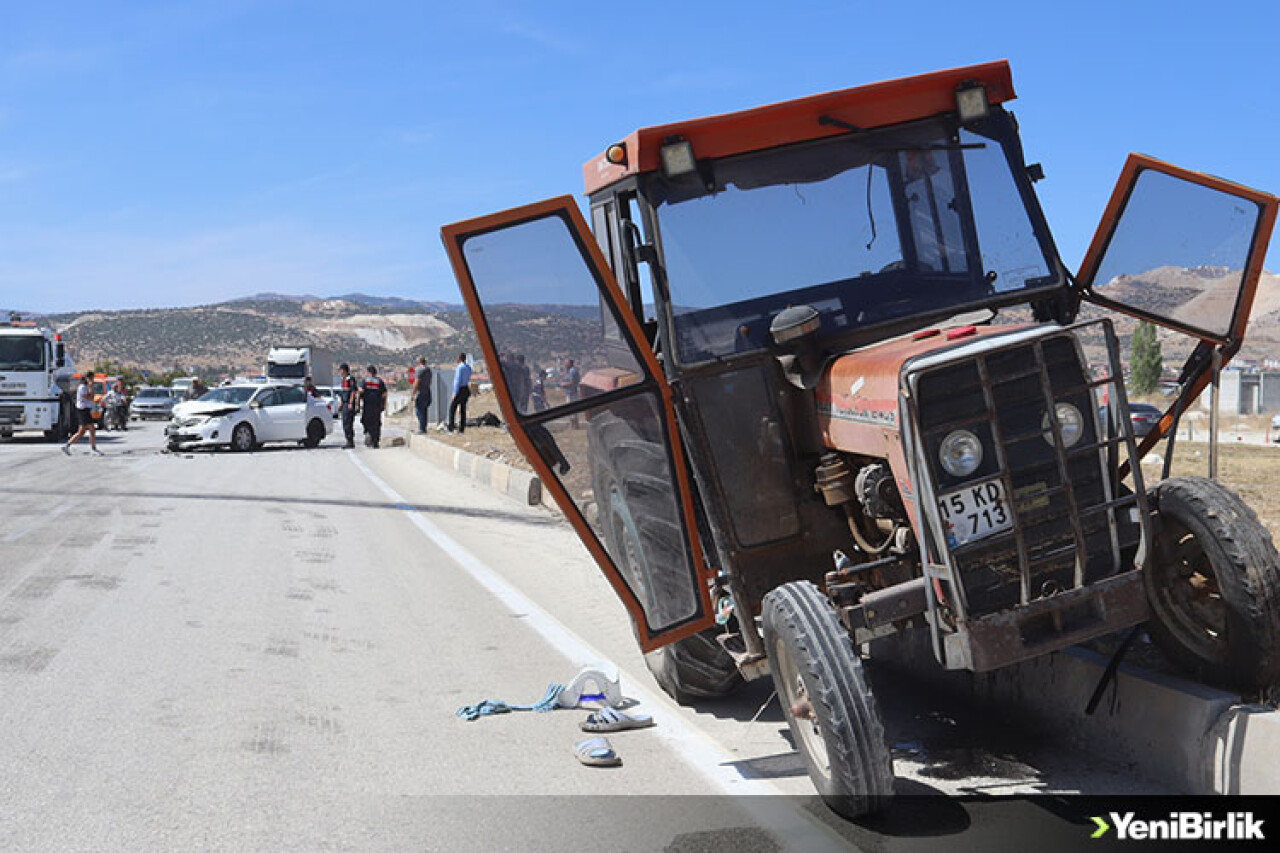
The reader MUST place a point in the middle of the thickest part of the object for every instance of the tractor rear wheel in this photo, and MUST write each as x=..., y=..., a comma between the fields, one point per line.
x=632, y=486
x=1214, y=585
x=833, y=715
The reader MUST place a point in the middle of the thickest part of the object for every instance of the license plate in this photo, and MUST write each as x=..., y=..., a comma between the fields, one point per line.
x=974, y=512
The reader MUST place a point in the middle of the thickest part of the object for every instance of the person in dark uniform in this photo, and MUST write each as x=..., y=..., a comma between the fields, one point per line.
x=347, y=403
x=373, y=399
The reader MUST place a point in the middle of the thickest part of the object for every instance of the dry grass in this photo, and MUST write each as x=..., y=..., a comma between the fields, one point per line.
x=1253, y=471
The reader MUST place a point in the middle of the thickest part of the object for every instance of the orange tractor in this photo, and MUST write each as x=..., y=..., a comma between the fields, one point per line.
x=836, y=383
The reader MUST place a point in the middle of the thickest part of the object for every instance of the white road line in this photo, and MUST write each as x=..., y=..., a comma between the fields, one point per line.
x=696, y=749
x=42, y=520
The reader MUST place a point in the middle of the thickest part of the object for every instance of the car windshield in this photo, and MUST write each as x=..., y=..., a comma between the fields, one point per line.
x=238, y=396
x=866, y=228
x=21, y=352
x=152, y=393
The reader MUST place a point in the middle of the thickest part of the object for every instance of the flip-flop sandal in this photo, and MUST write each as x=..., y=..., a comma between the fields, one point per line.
x=612, y=720
x=596, y=752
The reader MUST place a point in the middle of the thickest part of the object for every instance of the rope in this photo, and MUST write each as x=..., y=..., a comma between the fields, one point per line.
x=488, y=707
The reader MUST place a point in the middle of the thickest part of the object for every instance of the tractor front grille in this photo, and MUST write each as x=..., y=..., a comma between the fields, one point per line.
x=1069, y=528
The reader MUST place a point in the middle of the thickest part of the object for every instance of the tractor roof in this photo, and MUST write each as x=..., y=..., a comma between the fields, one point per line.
x=864, y=107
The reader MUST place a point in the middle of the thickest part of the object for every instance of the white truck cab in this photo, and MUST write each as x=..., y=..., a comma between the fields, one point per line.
x=36, y=378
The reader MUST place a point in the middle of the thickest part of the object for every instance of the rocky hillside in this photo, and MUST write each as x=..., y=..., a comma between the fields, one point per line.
x=233, y=337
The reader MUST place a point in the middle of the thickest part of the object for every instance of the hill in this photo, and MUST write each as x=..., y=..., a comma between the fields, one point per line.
x=233, y=337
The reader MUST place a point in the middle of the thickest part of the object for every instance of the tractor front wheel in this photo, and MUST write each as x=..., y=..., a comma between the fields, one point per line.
x=833, y=715
x=1214, y=585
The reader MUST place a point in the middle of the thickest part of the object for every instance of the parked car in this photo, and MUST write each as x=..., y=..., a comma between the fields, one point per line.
x=1275, y=427
x=1145, y=417
x=244, y=417
x=330, y=396
x=152, y=403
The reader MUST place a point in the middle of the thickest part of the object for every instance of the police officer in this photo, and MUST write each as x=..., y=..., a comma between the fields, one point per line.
x=347, y=403
x=373, y=399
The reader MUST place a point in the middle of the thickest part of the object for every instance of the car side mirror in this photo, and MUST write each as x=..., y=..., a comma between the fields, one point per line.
x=255, y=404
x=60, y=354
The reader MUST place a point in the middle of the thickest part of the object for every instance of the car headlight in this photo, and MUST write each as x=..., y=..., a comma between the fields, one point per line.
x=960, y=453
x=190, y=422
x=1070, y=424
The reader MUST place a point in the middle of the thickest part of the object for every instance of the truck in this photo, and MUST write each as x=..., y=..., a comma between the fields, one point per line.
x=36, y=378
x=841, y=386
x=295, y=363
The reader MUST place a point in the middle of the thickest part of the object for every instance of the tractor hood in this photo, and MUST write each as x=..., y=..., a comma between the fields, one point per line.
x=857, y=396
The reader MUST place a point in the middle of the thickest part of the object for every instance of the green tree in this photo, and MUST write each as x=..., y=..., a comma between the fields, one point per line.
x=1146, y=362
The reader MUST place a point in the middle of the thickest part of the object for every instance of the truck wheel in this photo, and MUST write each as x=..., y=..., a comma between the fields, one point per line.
x=630, y=481
x=833, y=716
x=242, y=438
x=1214, y=585
x=315, y=433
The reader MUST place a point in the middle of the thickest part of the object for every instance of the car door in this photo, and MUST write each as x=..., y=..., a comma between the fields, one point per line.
x=1182, y=250
x=263, y=409
x=288, y=414
x=543, y=303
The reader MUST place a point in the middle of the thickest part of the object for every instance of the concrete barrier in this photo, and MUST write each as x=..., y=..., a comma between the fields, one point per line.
x=514, y=482
x=1191, y=737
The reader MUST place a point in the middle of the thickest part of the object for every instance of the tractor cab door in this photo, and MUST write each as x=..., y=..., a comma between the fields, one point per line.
x=594, y=419
x=1181, y=250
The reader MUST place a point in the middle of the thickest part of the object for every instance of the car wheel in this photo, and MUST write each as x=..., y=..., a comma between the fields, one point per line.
x=315, y=433
x=242, y=438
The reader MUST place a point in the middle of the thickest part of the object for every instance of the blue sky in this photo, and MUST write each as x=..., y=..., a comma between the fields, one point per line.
x=156, y=154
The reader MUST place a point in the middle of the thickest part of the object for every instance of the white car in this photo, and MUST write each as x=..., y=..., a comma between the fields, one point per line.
x=246, y=416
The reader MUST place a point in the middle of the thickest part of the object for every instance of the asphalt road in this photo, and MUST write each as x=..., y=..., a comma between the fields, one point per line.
x=266, y=651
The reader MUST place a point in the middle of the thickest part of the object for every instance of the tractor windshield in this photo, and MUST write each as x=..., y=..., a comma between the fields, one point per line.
x=867, y=228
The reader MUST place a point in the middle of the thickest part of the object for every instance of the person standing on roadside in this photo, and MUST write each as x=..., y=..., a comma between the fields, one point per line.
x=571, y=384
x=84, y=417
x=373, y=399
x=461, y=392
x=422, y=392
x=347, y=403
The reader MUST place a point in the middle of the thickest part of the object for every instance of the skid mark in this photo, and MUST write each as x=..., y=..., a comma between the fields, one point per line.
x=264, y=741
x=322, y=584
x=300, y=594
x=282, y=647
x=123, y=542
x=322, y=724
x=33, y=659
x=38, y=586
x=96, y=581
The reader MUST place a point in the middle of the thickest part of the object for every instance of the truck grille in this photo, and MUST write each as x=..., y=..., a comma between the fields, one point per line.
x=10, y=414
x=1068, y=528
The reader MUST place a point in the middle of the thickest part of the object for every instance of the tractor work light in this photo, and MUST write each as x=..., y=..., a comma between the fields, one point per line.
x=616, y=154
x=677, y=158
x=971, y=102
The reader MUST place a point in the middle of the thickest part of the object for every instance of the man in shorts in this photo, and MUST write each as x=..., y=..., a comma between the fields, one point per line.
x=84, y=418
